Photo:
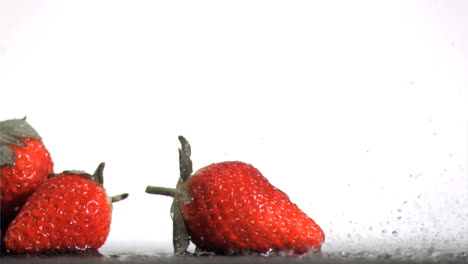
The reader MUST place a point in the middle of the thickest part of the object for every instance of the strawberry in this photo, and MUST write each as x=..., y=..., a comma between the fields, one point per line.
x=70, y=212
x=25, y=164
x=230, y=208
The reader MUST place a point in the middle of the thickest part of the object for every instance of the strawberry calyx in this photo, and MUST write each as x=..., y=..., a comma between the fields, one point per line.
x=119, y=197
x=185, y=163
x=185, y=167
x=97, y=177
x=13, y=132
x=180, y=237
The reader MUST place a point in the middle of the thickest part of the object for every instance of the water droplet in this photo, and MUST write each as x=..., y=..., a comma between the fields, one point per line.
x=395, y=233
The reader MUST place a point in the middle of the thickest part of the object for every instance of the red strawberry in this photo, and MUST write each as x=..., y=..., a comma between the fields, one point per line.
x=230, y=208
x=69, y=212
x=25, y=164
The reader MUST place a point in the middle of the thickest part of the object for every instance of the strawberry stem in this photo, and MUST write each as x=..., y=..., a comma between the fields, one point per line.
x=180, y=237
x=161, y=191
x=119, y=197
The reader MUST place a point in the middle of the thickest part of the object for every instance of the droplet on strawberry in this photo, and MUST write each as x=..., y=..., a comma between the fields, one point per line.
x=230, y=208
x=25, y=164
x=69, y=212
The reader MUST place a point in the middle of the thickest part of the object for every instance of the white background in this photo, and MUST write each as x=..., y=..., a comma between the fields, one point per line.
x=357, y=109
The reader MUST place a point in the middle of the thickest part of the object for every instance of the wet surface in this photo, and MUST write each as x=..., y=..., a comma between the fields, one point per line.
x=138, y=257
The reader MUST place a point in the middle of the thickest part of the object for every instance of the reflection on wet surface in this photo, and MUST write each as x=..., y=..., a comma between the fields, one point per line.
x=139, y=256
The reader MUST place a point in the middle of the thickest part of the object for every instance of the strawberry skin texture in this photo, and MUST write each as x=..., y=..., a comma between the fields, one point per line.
x=31, y=167
x=234, y=209
x=67, y=213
